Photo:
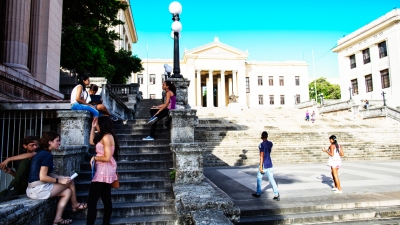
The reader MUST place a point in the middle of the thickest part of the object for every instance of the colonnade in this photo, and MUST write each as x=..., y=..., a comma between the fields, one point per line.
x=225, y=83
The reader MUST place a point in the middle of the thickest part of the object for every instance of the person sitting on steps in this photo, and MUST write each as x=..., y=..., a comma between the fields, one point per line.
x=97, y=102
x=20, y=182
x=161, y=111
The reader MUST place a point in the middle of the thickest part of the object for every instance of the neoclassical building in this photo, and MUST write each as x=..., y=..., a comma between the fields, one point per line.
x=225, y=70
x=369, y=60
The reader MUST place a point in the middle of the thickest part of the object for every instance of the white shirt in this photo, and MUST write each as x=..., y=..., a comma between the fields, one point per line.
x=84, y=94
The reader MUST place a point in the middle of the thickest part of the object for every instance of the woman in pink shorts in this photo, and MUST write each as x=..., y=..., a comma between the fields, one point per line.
x=335, y=151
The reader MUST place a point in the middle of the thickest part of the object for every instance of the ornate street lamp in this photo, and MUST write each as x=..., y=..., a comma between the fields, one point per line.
x=350, y=92
x=384, y=100
x=175, y=8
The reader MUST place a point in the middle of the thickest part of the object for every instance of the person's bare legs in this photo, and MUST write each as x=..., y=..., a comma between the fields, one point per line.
x=74, y=202
x=336, y=178
x=64, y=193
x=102, y=108
x=333, y=178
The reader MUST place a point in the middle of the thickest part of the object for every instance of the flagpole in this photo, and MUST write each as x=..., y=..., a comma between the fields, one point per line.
x=315, y=80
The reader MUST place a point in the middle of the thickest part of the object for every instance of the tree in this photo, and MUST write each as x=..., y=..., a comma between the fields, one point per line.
x=87, y=42
x=330, y=91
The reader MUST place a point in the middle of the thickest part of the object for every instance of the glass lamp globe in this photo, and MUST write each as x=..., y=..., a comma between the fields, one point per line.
x=175, y=8
x=176, y=26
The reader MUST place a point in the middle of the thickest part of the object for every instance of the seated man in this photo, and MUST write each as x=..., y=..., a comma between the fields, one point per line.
x=20, y=182
x=97, y=102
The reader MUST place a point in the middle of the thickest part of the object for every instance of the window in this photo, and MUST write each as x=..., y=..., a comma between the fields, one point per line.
x=366, y=57
x=282, y=99
x=260, y=81
x=152, y=79
x=271, y=99
x=297, y=80
x=297, y=100
x=352, y=61
x=152, y=96
x=247, y=85
x=281, y=83
x=385, y=78
x=260, y=100
x=368, y=83
x=354, y=86
x=382, y=49
x=271, y=81
x=140, y=78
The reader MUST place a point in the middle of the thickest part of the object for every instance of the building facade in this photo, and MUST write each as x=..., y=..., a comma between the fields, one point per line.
x=30, y=37
x=226, y=71
x=369, y=61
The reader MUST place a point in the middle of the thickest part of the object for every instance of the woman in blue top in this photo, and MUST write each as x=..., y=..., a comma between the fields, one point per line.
x=44, y=184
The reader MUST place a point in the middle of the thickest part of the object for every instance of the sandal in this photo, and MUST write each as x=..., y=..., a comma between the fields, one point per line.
x=63, y=222
x=81, y=206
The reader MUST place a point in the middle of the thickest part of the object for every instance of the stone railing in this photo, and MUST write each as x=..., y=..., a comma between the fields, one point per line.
x=382, y=111
x=196, y=201
x=307, y=104
x=75, y=128
x=338, y=106
x=120, y=99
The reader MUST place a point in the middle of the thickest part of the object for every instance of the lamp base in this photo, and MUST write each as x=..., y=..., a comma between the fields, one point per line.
x=176, y=76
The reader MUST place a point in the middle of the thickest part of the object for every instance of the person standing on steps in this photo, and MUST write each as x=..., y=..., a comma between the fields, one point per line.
x=107, y=151
x=307, y=116
x=313, y=116
x=335, y=151
x=265, y=148
x=161, y=111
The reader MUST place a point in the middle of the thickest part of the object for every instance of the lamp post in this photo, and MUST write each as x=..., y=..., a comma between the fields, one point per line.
x=350, y=92
x=384, y=100
x=322, y=98
x=175, y=8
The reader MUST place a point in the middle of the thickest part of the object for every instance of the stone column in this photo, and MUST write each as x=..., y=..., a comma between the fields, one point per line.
x=199, y=93
x=234, y=88
x=222, y=97
x=16, y=39
x=188, y=158
x=182, y=85
x=132, y=96
x=75, y=131
x=210, y=92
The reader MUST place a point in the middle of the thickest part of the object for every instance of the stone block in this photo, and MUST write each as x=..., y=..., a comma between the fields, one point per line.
x=193, y=200
x=209, y=217
x=182, y=125
x=75, y=127
x=68, y=159
x=188, y=163
x=24, y=211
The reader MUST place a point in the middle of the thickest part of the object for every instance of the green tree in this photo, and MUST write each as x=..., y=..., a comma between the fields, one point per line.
x=330, y=91
x=87, y=43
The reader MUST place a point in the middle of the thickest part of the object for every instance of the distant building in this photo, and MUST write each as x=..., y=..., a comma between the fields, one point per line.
x=369, y=60
x=225, y=70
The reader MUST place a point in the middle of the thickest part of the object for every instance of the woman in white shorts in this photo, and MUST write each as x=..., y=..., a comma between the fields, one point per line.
x=44, y=184
x=335, y=151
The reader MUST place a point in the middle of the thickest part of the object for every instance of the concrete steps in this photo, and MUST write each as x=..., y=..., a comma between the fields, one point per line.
x=145, y=194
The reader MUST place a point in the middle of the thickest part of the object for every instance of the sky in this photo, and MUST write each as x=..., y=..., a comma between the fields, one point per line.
x=284, y=30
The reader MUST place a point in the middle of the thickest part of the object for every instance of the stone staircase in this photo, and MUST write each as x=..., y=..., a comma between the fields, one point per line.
x=145, y=195
x=378, y=209
x=232, y=137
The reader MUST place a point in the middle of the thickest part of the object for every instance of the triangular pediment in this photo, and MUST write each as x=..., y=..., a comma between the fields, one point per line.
x=216, y=49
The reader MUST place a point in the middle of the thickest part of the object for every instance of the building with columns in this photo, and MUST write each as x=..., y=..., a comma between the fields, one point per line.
x=369, y=61
x=30, y=37
x=226, y=71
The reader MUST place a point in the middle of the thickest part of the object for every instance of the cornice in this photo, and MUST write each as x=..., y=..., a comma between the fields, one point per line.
x=130, y=21
x=374, y=27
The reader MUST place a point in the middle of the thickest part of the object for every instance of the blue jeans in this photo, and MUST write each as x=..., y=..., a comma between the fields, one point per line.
x=78, y=106
x=270, y=175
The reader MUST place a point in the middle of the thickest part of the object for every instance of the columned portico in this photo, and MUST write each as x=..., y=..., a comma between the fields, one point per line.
x=210, y=92
x=221, y=91
x=16, y=40
x=234, y=81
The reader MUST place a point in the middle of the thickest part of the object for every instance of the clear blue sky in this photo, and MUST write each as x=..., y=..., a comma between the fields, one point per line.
x=269, y=30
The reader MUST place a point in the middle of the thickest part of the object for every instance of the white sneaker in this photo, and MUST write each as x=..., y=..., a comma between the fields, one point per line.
x=338, y=192
x=148, y=138
x=334, y=189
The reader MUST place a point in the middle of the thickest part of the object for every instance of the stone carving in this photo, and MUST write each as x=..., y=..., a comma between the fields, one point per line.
x=233, y=98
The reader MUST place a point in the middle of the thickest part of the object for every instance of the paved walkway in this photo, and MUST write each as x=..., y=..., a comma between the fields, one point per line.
x=310, y=184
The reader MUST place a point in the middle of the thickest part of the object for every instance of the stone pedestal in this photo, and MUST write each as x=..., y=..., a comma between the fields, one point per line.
x=75, y=132
x=188, y=163
x=132, y=96
x=182, y=85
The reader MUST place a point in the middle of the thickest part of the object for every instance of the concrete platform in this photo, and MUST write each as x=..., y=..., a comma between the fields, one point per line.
x=306, y=188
